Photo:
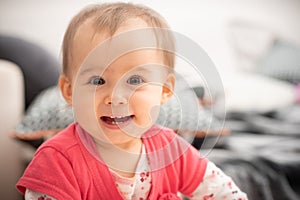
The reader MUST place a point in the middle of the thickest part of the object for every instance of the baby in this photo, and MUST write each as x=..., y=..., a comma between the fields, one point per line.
x=118, y=62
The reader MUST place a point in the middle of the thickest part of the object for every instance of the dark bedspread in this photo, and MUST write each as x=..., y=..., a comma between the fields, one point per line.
x=262, y=154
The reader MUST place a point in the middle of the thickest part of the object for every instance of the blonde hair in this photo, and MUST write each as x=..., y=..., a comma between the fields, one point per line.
x=109, y=17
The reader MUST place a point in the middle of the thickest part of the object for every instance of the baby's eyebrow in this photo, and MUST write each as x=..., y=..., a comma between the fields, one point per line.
x=141, y=69
x=100, y=70
x=87, y=70
x=148, y=68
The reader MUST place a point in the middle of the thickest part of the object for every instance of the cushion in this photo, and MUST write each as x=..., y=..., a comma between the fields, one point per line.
x=281, y=62
x=46, y=115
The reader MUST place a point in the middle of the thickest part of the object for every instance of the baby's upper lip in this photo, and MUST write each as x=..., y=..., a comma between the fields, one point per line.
x=116, y=116
x=114, y=120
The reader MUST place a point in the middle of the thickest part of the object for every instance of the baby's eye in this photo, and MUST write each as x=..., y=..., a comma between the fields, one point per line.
x=135, y=80
x=96, y=80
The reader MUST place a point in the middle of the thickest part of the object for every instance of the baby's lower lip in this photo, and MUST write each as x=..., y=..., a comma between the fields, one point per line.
x=116, y=122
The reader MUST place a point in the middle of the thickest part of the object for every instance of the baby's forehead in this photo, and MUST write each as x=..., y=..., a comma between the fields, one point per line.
x=145, y=60
x=85, y=40
x=88, y=37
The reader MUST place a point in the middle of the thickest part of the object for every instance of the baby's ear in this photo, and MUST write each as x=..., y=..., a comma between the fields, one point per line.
x=66, y=88
x=168, y=88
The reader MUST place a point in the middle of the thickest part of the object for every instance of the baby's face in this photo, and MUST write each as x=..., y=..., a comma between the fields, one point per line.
x=121, y=99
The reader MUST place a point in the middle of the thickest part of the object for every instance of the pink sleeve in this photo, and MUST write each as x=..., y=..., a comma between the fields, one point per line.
x=193, y=167
x=50, y=173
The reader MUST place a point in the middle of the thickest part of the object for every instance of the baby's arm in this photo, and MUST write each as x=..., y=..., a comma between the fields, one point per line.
x=32, y=195
x=217, y=186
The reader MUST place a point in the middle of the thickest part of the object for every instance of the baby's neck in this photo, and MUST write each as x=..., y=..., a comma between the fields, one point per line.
x=122, y=158
x=133, y=146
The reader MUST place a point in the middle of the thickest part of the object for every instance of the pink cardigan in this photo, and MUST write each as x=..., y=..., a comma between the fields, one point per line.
x=65, y=167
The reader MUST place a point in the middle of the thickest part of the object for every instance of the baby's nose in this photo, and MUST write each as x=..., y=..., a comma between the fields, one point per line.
x=115, y=100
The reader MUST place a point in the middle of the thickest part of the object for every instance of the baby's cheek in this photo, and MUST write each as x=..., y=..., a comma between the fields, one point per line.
x=146, y=111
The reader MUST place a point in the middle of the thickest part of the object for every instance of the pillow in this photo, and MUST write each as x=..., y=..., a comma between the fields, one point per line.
x=250, y=92
x=281, y=62
x=46, y=115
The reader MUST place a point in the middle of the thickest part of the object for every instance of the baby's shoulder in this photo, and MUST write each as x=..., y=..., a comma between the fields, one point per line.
x=159, y=132
x=61, y=142
x=161, y=137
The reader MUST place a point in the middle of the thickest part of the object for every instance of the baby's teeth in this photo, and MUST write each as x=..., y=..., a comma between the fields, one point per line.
x=118, y=117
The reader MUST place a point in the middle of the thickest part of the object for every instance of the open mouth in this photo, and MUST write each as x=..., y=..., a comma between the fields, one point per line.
x=116, y=120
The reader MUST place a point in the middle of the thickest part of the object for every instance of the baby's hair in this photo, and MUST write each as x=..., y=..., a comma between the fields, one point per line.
x=108, y=17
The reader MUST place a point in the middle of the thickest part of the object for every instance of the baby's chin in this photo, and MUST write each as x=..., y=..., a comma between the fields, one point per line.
x=116, y=139
x=137, y=129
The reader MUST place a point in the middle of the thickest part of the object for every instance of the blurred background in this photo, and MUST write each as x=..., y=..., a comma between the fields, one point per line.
x=254, y=44
x=235, y=34
x=209, y=23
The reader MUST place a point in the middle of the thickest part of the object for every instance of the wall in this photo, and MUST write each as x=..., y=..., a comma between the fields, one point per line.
x=204, y=21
